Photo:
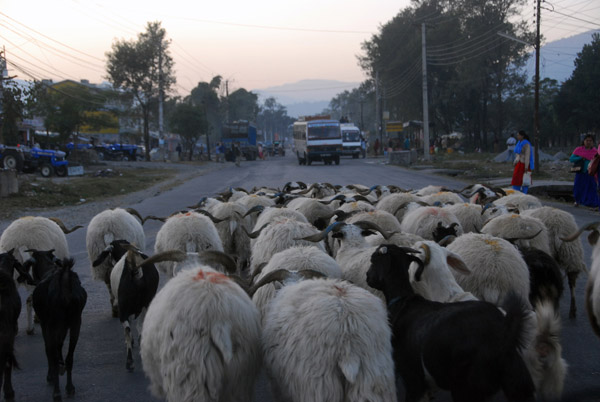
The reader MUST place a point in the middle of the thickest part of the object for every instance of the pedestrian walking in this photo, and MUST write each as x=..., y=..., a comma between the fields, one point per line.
x=584, y=186
x=511, y=142
x=524, y=162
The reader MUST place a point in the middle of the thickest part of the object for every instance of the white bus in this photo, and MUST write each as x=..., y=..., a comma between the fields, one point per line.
x=352, y=144
x=317, y=140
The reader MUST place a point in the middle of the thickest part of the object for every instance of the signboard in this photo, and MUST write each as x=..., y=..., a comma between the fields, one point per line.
x=393, y=127
x=75, y=170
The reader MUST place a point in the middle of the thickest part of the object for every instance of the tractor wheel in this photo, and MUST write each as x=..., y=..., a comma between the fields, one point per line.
x=46, y=170
x=12, y=160
x=61, y=171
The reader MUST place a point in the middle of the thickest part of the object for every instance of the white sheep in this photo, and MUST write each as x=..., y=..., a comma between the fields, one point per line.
x=187, y=232
x=34, y=233
x=568, y=255
x=523, y=230
x=520, y=200
x=201, y=339
x=278, y=236
x=232, y=231
x=104, y=228
x=496, y=266
x=293, y=259
x=469, y=216
x=393, y=203
x=443, y=197
x=424, y=221
x=328, y=340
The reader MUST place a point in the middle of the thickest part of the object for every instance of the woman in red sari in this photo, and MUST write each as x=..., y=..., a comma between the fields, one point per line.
x=585, y=186
x=523, y=162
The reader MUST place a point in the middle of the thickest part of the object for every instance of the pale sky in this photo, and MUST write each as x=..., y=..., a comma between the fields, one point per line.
x=253, y=44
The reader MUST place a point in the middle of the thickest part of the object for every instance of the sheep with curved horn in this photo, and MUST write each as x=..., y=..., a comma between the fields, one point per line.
x=592, y=288
x=106, y=227
x=189, y=232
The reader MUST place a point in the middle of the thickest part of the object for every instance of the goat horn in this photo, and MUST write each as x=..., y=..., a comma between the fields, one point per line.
x=278, y=275
x=523, y=238
x=317, y=237
x=206, y=213
x=256, y=233
x=219, y=257
x=447, y=240
x=589, y=226
x=63, y=227
x=256, y=208
x=170, y=255
x=373, y=226
x=199, y=204
x=135, y=213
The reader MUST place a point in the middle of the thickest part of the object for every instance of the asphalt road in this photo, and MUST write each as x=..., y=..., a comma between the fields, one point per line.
x=99, y=371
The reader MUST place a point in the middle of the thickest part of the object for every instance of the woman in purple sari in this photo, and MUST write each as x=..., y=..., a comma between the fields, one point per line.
x=585, y=186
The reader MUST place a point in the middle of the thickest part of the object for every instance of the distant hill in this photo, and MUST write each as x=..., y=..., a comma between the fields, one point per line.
x=305, y=97
x=557, y=58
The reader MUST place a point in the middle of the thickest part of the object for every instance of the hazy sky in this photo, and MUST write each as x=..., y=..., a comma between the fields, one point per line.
x=253, y=44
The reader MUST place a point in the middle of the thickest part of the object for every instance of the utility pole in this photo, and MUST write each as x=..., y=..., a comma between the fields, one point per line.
x=378, y=113
x=160, y=94
x=425, y=100
x=536, y=113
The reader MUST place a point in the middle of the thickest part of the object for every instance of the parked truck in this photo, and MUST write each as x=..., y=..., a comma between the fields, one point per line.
x=28, y=160
x=243, y=132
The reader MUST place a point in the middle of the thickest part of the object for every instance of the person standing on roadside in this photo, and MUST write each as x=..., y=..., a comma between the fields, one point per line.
x=237, y=153
x=511, y=142
x=585, y=186
x=523, y=162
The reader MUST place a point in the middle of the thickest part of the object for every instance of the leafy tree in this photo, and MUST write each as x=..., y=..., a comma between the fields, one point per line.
x=190, y=123
x=13, y=111
x=243, y=105
x=206, y=95
x=144, y=68
x=273, y=118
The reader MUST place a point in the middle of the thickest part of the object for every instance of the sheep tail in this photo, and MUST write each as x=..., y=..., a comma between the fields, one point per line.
x=589, y=307
x=349, y=363
x=517, y=383
x=548, y=368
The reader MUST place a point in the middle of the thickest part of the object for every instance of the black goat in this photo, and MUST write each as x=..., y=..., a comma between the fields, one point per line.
x=441, y=232
x=544, y=277
x=10, y=308
x=134, y=280
x=58, y=301
x=115, y=250
x=468, y=348
x=40, y=264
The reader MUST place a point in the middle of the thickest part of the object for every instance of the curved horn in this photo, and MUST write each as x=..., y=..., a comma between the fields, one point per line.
x=257, y=271
x=199, y=204
x=256, y=233
x=170, y=255
x=154, y=218
x=338, y=197
x=373, y=226
x=63, y=227
x=317, y=237
x=589, y=226
x=256, y=208
x=206, y=213
x=360, y=197
x=278, y=275
x=447, y=240
x=219, y=257
x=523, y=238
x=135, y=213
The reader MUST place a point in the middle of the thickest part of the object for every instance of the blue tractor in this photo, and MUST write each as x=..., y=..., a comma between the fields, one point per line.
x=28, y=160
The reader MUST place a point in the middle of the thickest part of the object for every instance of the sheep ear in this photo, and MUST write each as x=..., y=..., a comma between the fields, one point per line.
x=593, y=237
x=101, y=257
x=455, y=262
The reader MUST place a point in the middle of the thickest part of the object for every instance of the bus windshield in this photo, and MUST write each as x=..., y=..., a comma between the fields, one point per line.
x=322, y=131
x=351, y=136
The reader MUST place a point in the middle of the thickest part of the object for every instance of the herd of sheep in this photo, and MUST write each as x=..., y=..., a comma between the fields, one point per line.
x=336, y=292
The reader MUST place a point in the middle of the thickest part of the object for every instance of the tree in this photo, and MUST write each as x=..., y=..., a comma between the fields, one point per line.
x=189, y=121
x=273, y=118
x=243, y=105
x=205, y=95
x=144, y=68
x=13, y=111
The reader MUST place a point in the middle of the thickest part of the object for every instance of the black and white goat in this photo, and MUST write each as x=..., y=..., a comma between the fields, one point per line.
x=10, y=308
x=469, y=348
x=58, y=301
x=134, y=281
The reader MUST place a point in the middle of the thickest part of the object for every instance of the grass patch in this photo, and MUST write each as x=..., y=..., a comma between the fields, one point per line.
x=37, y=192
